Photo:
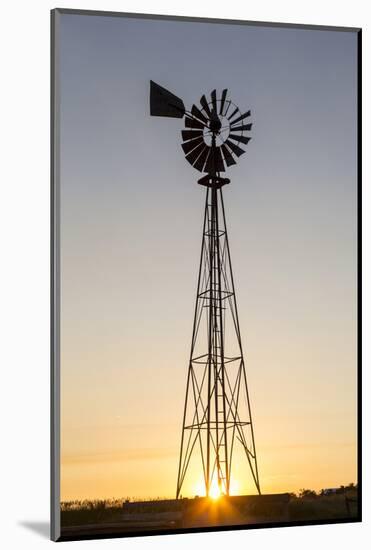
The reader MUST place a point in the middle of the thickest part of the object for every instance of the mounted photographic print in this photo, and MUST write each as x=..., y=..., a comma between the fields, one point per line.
x=205, y=285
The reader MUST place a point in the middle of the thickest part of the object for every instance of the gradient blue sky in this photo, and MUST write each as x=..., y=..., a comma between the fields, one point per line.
x=131, y=217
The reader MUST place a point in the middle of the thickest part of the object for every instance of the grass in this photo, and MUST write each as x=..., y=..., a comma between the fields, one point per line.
x=83, y=512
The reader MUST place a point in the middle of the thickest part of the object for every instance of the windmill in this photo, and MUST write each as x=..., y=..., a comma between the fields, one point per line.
x=217, y=413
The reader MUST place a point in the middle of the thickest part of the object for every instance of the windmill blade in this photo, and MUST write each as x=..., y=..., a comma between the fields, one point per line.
x=234, y=112
x=241, y=128
x=188, y=146
x=193, y=155
x=214, y=162
x=197, y=113
x=227, y=155
x=234, y=148
x=209, y=166
x=193, y=123
x=248, y=113
x=200, y=162
x=190, y=134
x=205, y=106
x=213, y=99
x=228, y=104
x=219, y=164
x=242, y=139
x=222, y=101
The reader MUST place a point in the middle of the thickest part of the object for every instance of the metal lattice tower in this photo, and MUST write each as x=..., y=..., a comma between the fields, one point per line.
x=217, y=412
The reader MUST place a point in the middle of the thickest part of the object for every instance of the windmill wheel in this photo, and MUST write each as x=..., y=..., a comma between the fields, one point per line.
x=218, y=119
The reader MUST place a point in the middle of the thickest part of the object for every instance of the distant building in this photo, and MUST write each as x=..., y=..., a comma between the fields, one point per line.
x=331, y=491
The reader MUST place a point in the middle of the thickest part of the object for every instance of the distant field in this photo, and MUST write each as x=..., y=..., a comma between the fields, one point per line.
x=109, y=516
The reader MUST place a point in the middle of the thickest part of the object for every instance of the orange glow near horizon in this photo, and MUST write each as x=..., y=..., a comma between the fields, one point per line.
x=125, y=475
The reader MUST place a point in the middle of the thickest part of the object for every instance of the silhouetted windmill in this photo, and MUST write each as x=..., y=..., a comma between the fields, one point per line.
x=217, y=412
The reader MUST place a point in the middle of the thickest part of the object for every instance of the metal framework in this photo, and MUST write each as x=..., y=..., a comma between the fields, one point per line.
x=216, y=380
x=217, y=413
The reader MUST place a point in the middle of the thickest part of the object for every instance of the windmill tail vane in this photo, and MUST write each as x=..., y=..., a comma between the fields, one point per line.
x=217, y=417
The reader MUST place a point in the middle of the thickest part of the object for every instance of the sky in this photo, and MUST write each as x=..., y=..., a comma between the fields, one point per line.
x=131, y=224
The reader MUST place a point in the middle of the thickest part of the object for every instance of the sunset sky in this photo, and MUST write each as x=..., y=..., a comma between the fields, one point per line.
x=131, y=215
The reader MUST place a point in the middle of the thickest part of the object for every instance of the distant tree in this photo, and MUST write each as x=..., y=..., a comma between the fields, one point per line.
x=307, y=493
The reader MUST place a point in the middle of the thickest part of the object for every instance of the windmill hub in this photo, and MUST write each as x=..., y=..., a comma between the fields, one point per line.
x=215, y=123
x=214, y=132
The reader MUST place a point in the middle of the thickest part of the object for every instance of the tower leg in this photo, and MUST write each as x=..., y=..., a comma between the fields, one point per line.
x=217, y=412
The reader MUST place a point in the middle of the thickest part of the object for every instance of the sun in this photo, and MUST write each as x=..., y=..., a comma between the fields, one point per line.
x=214, y=492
